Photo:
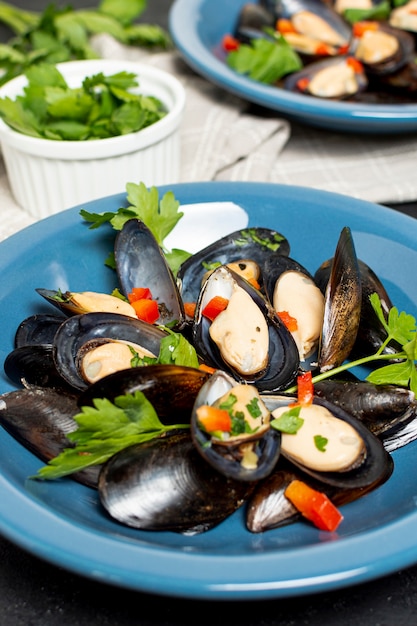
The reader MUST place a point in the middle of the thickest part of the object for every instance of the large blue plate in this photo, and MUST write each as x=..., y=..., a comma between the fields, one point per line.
x=197, y=28
x=63, y=523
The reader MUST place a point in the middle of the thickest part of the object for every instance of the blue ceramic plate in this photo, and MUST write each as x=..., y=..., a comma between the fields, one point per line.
x=63, y=523
x=197, y=28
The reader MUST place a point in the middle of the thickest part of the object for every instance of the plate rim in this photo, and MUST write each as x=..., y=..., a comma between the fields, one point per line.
x=155, y=579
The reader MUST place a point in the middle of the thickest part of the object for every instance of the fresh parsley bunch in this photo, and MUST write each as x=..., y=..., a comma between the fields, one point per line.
x=102, y=107
x=57, y=35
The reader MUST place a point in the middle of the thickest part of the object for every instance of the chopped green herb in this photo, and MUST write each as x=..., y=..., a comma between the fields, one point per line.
x=320, y=442
x=265, y=60
x=289, y=422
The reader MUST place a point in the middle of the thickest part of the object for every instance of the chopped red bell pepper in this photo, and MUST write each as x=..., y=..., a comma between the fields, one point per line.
x=139, y=293
x=323, y=49
x=289, y=321
x=305, y=388
x=230, y=43
x=213, y=419
x=215, y=306
x=146, y=310
x=359, y=28
x=189, y=308
x=284, y=26
x=355, y=64
x=314, y=505
x=302, y=84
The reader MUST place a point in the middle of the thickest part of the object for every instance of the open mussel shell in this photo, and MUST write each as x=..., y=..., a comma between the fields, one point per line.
x=255, y=244
x=371, y=334
x=79, y=330
x=383, y=50
x=38, y=329
x=375, y=466
x=315, y=18
x=384, y=409
x=255, y=324
x=40, y=419
x=226, y=458
x=171, y=389
x=164, y=484
x=140, y=262
x=343, y=300
x=291, y=288
x=335, y=78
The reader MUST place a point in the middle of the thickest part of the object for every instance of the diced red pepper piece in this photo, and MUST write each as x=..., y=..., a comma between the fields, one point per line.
x=323, y=49
x=230, y=43
x=302, y=84
x=146, y=310
x=215, y=306
x=314, y=505
x=289, y=321
x=189, y=308
x=284, y=26
x=213, y=419
x=355, y=64
x=360, y=28
x=139, y=293
x=305, y=388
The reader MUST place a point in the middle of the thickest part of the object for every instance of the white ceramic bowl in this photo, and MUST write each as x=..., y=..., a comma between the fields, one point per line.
x=48, y=176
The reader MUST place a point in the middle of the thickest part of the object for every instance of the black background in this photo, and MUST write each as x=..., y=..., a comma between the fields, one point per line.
x=35, y=593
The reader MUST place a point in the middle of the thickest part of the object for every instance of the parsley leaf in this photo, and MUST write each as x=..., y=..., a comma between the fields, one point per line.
x=320, y=442
x=105, y=429
x=289, y=422
x=265, y=60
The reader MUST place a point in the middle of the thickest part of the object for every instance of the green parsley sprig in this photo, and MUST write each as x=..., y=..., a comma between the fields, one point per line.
x=265, y=60
x=159, y=215
x=103, y=430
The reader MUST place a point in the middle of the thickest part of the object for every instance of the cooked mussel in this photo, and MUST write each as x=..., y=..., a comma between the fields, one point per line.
x=164, y=484
x=356, y=458
x=336, y=78
x=381, y=48
x=246, y=339
x=291, y=290
x=96, y=330
x=77, y=303
x=238, y=441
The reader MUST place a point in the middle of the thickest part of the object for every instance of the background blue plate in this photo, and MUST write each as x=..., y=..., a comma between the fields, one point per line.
x=197, y=28
x=63, y=523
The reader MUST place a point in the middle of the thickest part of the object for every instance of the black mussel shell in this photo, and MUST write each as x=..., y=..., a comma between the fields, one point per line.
x=283, y=356
x=140, y=262
x=371, y=333
x=227, y=458
x=164, y=484
x=77, y=330
x=38, y=329
x=249, y=243
x=384, y=409
x=34, y=365
x=40, y=419
x=343, y=300
x=171, y=389
x=252, y=21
